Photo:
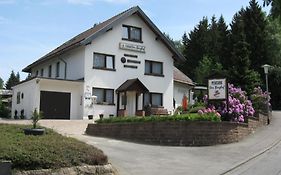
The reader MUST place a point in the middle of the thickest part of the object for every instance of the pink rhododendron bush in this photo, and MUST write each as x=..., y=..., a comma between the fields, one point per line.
x=239, y=106
x=260, y=100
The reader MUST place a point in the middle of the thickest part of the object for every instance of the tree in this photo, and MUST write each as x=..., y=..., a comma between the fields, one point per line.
x=13, y=80
x=255, y=33
x=195, y=46
x=176, y=43
x=1, y=83
x=273, y=42
x=223, y=51
x=239, y=73
x=275, y=10
x=274, y=53
x=207, y=67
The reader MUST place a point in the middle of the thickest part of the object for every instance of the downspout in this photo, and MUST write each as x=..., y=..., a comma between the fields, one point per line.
x=65, y=67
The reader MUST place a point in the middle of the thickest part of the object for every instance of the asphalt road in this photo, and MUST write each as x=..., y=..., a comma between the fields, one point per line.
x=268, y=163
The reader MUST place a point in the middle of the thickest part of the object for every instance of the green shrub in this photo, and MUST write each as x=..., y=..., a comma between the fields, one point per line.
x=4, y=111
x=51, y=150
x=182, y=117
x=196, y=109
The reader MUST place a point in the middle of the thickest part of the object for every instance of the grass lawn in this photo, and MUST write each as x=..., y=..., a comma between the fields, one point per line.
x=51, y=150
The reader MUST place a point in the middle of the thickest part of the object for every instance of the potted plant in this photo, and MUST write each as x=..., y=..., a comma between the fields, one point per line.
x=36, y=116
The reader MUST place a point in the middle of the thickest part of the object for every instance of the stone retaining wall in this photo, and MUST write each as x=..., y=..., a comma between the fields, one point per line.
x=178, y=133
x=77, y=170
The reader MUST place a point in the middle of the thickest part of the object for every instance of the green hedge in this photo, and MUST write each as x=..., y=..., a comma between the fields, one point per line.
x=183, y=117
x=51, y=150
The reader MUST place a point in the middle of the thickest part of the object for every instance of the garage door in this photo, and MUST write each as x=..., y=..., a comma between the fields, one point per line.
x=55, y=105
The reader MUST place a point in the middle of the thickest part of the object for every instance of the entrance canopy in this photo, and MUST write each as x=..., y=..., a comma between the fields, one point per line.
x=132, y=85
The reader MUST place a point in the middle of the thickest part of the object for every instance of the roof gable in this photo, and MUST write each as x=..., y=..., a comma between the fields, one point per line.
x=89, y=35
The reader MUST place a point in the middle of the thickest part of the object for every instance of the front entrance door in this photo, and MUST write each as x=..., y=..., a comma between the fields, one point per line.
x=131, y=103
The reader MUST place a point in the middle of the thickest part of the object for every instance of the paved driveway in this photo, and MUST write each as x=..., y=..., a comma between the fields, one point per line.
x=139, y=159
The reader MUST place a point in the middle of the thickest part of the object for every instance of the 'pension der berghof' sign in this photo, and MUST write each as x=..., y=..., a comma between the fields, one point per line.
x=217, y=89
x=132, y=47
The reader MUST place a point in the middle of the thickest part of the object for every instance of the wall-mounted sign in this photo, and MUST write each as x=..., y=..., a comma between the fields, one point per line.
x=132, y=47
x=217, y=89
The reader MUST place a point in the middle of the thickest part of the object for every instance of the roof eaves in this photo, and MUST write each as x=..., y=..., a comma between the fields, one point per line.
x=168, y=43
x=48, y=56
x=185, y=82
x=110, y=25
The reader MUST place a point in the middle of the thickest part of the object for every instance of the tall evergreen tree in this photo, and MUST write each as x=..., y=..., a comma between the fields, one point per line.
x=239, y=71
x=207, y=67
x=255, y=32
x=223, y=52
x=13, y=80
x=274, y=53
x=195, y=46
x=275, y=10
x=1, y=83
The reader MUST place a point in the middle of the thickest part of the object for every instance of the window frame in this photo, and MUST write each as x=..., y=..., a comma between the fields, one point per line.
x=151, y=68
x=58, y=69
x=129, y=33
x=50, y=71
x=105, y=60
x=150, y=99
x=42, y=72
x=104, y=96
x=18, y=97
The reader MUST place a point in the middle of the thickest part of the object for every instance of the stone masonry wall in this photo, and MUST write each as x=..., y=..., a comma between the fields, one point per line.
x=77, y=170
x=178, y=133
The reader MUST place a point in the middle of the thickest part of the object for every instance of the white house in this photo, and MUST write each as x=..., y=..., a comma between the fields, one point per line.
x=117, y=67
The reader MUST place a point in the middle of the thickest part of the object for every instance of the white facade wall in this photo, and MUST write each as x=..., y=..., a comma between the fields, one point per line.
x=31, y=90
x=30, y=100
x=74, y=65
x=181, y=89
x=108, y=43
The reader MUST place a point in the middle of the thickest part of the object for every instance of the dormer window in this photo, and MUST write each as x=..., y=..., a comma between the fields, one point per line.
x=131, y=33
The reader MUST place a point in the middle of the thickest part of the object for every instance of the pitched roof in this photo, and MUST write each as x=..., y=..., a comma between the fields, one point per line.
x=182, y=78
x=132, y=85
x=87, y=36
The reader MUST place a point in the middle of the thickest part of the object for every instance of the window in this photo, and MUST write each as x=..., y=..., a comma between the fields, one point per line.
x=153, y=99
x=42, y=72
x=123, y=100
x=18, y=97
x=153, y=68
x=131, y=33
x=104, y=96
x=58, y=69
x=103, y=61
x=50, y=71
x=37, y=73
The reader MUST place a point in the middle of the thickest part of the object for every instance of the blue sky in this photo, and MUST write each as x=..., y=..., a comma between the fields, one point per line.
x=31, y=28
